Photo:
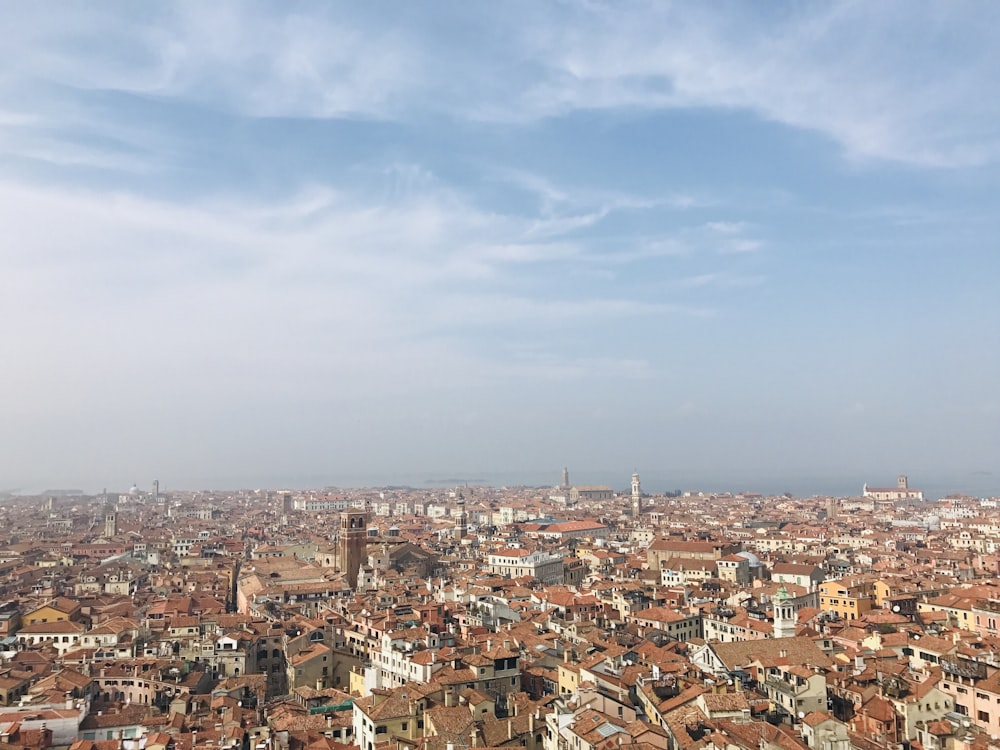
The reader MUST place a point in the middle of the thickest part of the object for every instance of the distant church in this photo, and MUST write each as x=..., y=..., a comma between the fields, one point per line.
x=901, y=491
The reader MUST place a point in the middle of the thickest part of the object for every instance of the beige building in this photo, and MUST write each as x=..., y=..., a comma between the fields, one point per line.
x=386, y=715
x=797, y=689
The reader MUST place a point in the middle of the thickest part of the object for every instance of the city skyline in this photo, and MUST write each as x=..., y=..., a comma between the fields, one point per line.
x=717, y=243
x=933, y=488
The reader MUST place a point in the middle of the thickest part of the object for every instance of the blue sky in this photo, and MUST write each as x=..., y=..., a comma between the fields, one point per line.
x=278, y=242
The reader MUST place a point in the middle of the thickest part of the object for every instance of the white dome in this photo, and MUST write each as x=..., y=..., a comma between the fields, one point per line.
x=751, y=558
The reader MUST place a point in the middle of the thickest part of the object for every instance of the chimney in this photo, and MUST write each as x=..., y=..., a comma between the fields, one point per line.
x=473, y=738
x=510, y=729
x=489, y=644
x=329, y=721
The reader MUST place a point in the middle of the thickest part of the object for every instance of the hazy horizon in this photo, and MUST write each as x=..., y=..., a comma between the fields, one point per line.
x=724, y=242
x=980, y=484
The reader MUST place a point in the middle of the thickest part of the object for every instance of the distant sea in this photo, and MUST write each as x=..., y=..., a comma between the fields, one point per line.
x=979, y=484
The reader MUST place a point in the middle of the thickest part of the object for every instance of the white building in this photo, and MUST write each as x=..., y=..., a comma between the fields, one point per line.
x=518, y=563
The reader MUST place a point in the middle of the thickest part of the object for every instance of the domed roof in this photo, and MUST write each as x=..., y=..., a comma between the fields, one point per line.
x=751, y=558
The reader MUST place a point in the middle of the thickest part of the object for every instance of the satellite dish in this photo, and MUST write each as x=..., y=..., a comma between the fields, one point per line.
x=896, y=608
x=802, y=714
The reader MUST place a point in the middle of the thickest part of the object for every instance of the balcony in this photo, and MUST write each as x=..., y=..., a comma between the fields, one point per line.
x=784, y=686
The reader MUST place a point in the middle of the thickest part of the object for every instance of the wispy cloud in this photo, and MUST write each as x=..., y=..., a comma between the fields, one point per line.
x=720, y=279
x=726, y=227
x=215, y=214
x=741, y=246
x=917, y=96
x=253, y=271
x=880, y=94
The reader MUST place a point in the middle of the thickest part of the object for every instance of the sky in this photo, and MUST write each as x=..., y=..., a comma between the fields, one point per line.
x=294, y=243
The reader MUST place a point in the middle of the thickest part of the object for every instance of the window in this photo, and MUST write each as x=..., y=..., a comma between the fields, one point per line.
x=983, y=716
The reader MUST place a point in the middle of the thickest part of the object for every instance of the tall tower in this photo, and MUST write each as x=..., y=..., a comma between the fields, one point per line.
x=831, y=508
x=156, y=490
x=351, y=543
x=902, y=482
x=784, y=614
x=565, y=482
x=110, y=523
x=463, y=519
x=636, y=496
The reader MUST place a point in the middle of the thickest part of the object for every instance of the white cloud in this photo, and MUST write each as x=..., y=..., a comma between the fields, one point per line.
x=330, y=283
x=727, y=227
x=849, y=71
x=740, y=246
x=720, y=279
x=886, y=81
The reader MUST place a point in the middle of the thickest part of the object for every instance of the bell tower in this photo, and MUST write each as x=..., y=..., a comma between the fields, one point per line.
x=463, y=518
x=636, y=496
x=351, y=543
x=784, y=614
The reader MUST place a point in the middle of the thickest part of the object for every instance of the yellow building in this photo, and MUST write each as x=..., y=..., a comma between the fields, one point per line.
x=881, y=590
x=850, y=601
x=357, y=681
x=58, y=610
x=387, y=715
x=569, y=677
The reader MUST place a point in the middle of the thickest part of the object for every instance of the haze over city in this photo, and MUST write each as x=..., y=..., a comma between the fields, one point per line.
x=289, y=244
